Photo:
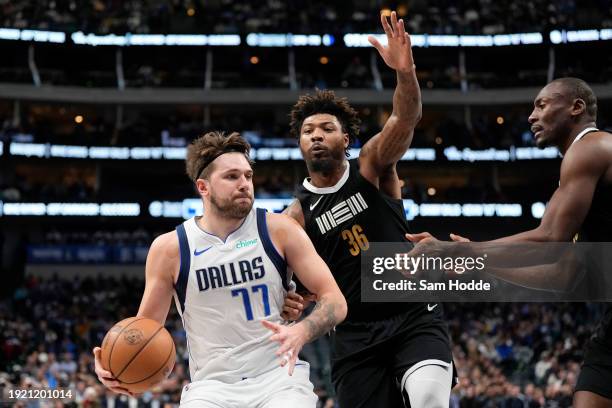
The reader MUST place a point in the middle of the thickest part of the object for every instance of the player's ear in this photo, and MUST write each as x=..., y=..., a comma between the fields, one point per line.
x=346, y=140
x=202, y=186
x=578, y=107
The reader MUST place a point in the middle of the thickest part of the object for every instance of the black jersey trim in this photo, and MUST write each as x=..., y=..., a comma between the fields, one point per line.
x=276, y=258
x=181, y=283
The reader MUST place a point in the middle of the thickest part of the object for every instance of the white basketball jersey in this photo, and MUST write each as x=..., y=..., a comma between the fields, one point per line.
x=223, y=292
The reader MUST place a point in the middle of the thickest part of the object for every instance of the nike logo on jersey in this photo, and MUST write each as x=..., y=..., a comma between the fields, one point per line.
x=197, y=253
x=431, y=307
x=312, y=206
x=341, y=212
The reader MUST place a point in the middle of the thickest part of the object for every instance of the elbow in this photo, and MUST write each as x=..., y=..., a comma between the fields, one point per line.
x=554, y=235
x=342, y=310
x=418, y=115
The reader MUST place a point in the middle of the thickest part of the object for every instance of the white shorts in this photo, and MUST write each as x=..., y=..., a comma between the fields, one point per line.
x=273, y=389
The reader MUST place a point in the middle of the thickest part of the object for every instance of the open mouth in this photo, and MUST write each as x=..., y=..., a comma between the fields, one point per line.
x=318, y=150
x=537, y=130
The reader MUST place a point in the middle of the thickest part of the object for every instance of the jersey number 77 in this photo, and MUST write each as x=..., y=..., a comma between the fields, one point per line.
x=246, y=299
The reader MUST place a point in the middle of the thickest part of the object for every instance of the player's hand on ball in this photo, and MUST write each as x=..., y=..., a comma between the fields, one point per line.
x=398, y=52
x=291, y=339
x=106, y=377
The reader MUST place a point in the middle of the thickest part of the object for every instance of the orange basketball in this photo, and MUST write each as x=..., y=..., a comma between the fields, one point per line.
x=139, y=352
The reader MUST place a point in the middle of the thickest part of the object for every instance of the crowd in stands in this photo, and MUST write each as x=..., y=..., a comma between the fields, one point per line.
x=234, y=67
x=301, y=16
x=507, y=355
x=263, y=127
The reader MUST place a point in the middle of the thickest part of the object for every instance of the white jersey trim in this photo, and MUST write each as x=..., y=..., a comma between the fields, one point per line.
x=328, y=190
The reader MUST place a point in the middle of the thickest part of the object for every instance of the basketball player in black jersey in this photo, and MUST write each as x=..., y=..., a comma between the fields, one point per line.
x=384, y=355
x=564, y=116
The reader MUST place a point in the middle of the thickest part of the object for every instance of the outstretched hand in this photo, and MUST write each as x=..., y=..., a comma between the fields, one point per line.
x=459, y=238
x=427, y=237
x=291, y=340
x=421, y=236
x=397, y=54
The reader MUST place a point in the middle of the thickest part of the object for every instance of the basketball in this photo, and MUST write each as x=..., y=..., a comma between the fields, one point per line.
x=139, y=352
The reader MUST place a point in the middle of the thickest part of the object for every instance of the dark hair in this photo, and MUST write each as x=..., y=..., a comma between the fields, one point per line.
x=325, y=101
x=205, y=149
x=579, y=89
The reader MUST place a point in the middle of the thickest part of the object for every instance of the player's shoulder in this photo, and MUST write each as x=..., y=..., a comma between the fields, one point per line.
x=281, y=221
x=596, y=146
x=282, y=229
x=591, y=156
x=294, y=211
x=166, y=244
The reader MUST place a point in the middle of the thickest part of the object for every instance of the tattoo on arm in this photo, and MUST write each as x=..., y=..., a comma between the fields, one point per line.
x=294, y=210
x=387, y=147
x=321, y=320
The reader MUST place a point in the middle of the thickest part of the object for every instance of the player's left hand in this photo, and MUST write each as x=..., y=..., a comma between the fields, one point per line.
x=459, y=238
x=291, y=339
x=397, y=54
x=420, y=237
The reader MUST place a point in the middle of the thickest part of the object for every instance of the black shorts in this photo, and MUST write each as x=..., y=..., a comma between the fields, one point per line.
x=596, y=372
x=385, y=350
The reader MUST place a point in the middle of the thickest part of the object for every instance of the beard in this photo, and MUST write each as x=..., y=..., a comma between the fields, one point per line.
x=229, y=208
x=327, y=163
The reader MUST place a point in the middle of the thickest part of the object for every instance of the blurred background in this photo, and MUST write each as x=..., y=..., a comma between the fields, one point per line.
x=99, y=98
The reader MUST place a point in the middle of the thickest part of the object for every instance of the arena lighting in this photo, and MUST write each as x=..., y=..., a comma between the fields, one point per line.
x=537, y=209
x=70, y=209
x=294, y=40
x=504, y=155
x=32, y=35
x=451, y=153
x=81, y=38
x=487, y=210
x=434, y=40
x=193, y=206
x=572, y=36
x=288, y=40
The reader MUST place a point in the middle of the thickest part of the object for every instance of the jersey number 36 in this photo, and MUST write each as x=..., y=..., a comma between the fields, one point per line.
x=356, y=239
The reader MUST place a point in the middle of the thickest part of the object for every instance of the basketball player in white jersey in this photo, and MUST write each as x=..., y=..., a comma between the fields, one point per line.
x=228, y=273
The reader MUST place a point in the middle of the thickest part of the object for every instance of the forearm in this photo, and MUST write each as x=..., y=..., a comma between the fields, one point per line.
x=407, y=106
x=327, y=313
x=557, y=277
x=539, y=234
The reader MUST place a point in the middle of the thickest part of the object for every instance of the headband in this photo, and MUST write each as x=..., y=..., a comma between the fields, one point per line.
x=213, y=158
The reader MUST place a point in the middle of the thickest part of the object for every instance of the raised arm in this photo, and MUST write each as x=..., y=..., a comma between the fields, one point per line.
x=313, y=272
x=386, y=148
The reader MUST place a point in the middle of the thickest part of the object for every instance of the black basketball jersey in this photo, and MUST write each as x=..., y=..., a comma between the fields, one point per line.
x=597, y=227
x=341, y=221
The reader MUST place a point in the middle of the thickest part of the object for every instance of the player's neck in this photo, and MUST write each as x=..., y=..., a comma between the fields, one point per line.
x=329, y=178
x=219, y=225
x=573, y=134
